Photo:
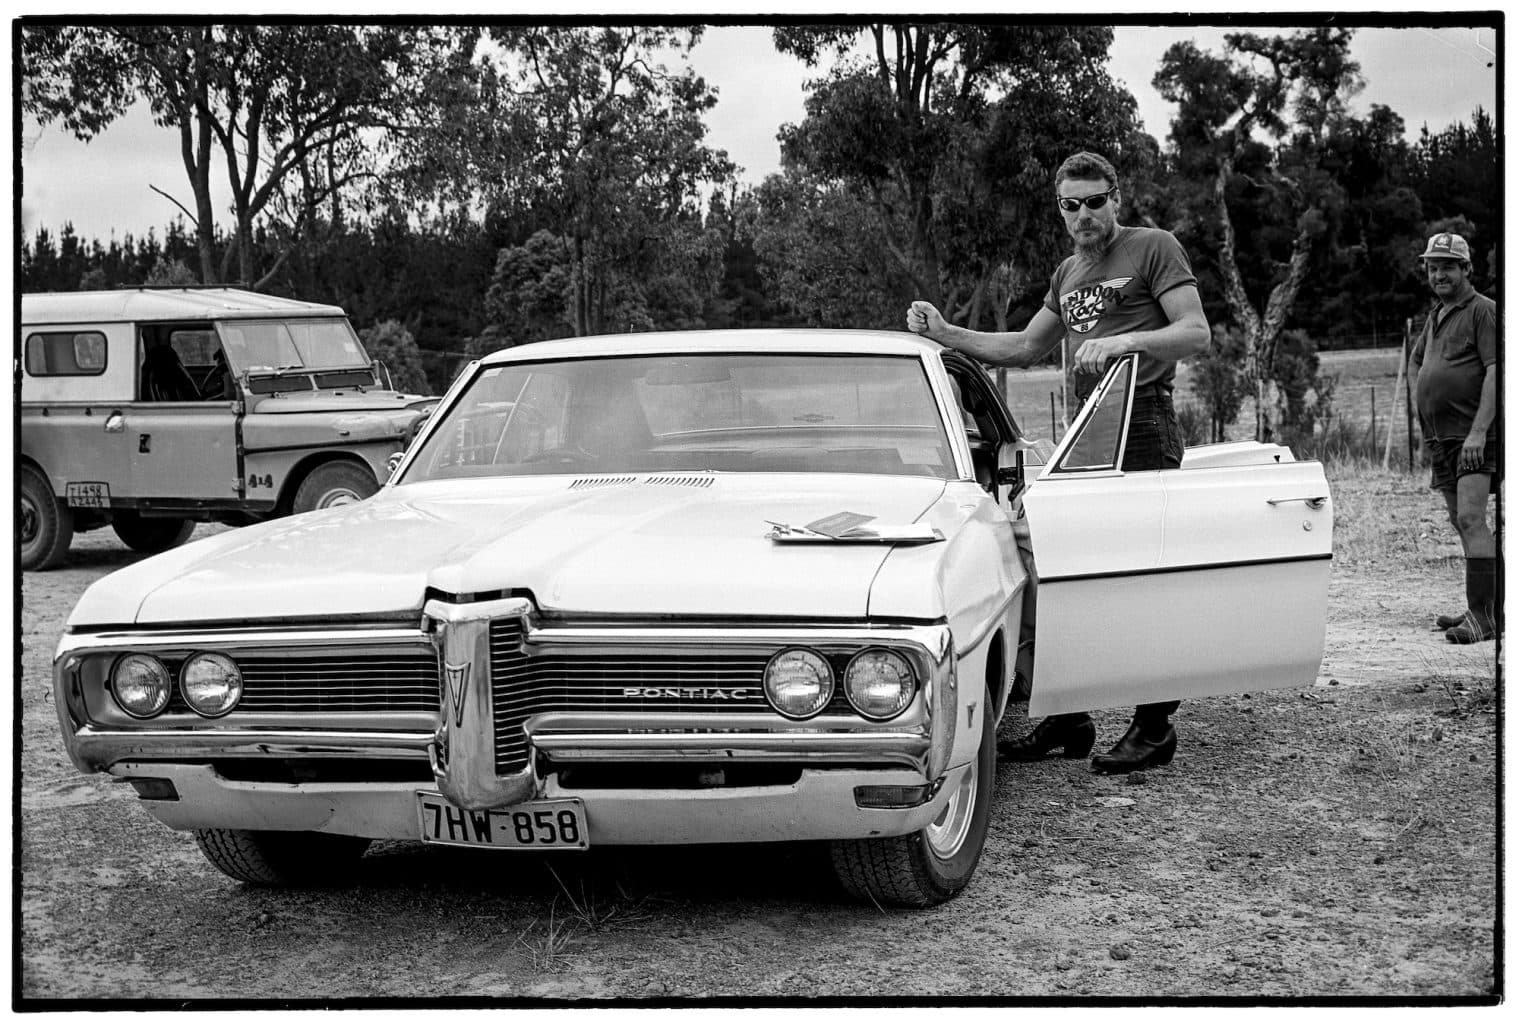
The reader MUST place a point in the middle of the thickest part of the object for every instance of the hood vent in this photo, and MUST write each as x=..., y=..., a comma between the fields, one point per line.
x=587, y=482
x=680, y=481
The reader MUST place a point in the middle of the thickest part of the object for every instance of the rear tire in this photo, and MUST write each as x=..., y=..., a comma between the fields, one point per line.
x=44, y=525
x=332, y=484
x=149, y=534
x=281, y=858
x=932, y=865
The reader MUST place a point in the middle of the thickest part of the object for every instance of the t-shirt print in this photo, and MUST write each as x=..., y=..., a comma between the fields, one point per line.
x=1083, y=308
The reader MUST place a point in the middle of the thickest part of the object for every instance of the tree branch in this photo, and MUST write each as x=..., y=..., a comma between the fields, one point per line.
x=193, y=219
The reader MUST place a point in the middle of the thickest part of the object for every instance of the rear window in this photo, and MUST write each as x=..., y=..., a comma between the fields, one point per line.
x=66, y=354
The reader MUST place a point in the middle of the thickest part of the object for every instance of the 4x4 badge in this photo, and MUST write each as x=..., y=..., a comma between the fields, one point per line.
x=458, y=688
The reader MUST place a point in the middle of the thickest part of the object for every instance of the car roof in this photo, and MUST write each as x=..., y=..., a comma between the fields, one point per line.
x=821, y=341
x=162, y=304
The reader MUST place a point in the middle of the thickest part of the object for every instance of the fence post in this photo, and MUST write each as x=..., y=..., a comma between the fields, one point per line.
x=1373, y=444
x=1408, y=390
x=1053, y=433
x=1397, y=389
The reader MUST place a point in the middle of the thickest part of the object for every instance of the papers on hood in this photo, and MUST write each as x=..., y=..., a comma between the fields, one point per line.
x=853, y=528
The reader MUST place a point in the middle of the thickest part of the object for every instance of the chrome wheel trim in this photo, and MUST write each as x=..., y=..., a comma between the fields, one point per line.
x=339, y=496
x=31, y=520
x=946, y=834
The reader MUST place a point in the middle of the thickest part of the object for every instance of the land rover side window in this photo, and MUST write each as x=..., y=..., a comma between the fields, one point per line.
x=174, y=358
x=66, y=354
x=1099, y=435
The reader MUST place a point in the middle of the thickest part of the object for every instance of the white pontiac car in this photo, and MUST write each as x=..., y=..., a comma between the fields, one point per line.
x=735, y=586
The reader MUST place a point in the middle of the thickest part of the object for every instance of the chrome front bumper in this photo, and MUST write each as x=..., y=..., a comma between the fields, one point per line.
x=819, y=805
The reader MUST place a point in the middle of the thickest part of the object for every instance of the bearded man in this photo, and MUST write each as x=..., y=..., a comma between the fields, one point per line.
x=1124, y=289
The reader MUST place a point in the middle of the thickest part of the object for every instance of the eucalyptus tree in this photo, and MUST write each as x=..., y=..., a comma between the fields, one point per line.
x=597, y=151
x=295, y=115
x=1255, y=124
x=950, y=135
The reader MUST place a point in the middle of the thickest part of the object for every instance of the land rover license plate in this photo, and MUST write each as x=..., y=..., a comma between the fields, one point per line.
x=87, y=494
x=535, y=825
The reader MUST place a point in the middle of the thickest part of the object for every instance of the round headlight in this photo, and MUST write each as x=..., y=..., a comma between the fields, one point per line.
x=879, y=683
x=798, y=682
x=141, y=685
x=211, y=684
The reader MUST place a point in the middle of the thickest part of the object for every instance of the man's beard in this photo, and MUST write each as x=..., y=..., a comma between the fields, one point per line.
x=1093, y=251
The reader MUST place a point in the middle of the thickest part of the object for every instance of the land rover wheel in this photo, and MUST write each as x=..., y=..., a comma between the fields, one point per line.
x=332, y=484
x=46, y=527
x=933, y=864
x=150, y=534
x=281, y=858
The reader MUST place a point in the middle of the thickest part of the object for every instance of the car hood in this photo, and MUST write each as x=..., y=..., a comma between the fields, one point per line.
x=650, y=546
x=335, y=400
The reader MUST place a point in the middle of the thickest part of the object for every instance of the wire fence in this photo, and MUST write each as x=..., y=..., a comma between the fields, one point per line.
x=1368, y=415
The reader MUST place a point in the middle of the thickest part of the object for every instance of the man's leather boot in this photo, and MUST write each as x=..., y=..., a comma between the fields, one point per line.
x=1073, y=735
x=1149, y=742
x=1480, y=622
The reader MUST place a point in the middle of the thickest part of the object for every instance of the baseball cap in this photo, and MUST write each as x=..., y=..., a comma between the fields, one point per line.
x=1446, y=246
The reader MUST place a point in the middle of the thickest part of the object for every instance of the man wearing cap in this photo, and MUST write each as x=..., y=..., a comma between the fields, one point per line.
x=1454, y=369
x=1125, y=289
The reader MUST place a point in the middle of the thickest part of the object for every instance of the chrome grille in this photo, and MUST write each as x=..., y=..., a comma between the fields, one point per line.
x=352, y=682
x=523, y=686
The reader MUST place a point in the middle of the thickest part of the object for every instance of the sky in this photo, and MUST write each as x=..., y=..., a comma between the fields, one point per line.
x=1433, y=77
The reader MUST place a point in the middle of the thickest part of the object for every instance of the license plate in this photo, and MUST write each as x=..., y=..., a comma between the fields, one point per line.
x=535, y=825
x=88, y=495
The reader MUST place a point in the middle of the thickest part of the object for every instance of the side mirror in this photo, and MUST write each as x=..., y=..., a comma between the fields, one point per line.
x=393, y=463
x=1011, y=475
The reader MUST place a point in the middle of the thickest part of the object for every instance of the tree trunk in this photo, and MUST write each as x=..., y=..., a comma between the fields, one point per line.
x=1261, y=332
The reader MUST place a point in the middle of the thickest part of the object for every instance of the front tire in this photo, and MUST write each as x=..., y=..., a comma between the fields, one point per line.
x=332, y=484
x=932, y=865
x=281, y=858
x=149, y=534
x=45, y=526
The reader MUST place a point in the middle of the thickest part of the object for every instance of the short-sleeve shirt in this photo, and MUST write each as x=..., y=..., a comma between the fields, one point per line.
x=1455, y=351
x=1120, y=292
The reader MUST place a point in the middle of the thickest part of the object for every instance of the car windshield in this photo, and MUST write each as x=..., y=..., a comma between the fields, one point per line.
x=268, y=345
x=732, y=413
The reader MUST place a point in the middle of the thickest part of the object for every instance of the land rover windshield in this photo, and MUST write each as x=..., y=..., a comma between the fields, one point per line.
x=731, y=413
x=293, y=349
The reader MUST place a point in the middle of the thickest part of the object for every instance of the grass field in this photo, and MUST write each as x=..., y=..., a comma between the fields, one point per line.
x=1365, y=390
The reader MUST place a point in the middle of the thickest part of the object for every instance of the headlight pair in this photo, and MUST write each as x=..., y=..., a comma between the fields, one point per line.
x=878, y=683
x=210, y=683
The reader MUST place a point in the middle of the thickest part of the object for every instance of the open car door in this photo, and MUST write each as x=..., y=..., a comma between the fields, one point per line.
x=1169, y=584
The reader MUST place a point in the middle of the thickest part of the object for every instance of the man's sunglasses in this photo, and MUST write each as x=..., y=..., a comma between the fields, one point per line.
x=1097, y=201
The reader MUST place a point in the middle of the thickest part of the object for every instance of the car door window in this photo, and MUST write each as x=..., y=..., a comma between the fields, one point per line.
x=1096, y=441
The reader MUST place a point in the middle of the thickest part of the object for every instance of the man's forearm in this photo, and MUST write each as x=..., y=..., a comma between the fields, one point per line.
x=1178, y=340
x=1487, y=406
x=1005, y=348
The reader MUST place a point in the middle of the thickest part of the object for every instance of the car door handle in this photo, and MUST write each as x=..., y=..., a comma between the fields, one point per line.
x=115, y=423
x=1312, y=501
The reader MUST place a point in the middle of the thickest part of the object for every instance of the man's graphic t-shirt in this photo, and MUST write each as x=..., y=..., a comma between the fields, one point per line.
x=1119, y=292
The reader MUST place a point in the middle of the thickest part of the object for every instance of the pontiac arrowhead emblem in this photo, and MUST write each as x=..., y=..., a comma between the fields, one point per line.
x=458, y=688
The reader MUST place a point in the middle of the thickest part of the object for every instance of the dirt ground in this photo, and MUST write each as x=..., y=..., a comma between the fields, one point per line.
x=1337, y=840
